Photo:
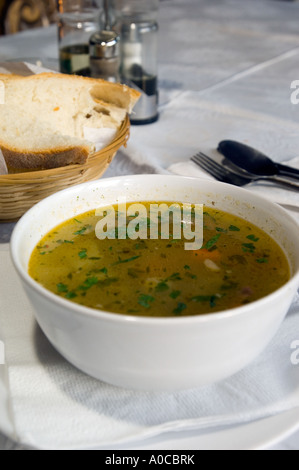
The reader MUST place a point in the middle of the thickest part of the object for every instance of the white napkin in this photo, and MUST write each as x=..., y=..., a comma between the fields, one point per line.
x=50, y=404
x=286, y=198
x=100, y=137
x=3, y=167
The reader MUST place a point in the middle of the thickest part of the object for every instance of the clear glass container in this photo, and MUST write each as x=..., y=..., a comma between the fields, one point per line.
x=77, y=21
x=135, y=9
x=139, y=55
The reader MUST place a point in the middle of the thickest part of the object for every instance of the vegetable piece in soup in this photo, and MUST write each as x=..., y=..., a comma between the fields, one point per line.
x=237, y=264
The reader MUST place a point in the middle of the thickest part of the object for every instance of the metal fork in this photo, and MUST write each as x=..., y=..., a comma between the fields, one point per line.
x=237, y=177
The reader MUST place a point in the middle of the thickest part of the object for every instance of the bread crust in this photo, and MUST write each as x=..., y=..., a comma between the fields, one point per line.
x=45, y=160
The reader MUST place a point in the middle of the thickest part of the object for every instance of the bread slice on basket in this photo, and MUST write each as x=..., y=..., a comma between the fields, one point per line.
x=46, y=120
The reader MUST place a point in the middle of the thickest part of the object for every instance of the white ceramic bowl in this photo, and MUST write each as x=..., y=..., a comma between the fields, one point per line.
x=157, y=354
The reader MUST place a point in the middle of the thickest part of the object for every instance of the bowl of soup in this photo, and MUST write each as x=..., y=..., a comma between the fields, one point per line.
x=158, y=283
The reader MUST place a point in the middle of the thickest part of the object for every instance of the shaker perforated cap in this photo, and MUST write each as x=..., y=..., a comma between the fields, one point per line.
x=104, y=45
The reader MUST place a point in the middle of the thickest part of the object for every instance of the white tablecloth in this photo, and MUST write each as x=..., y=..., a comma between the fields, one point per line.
x=217, y=57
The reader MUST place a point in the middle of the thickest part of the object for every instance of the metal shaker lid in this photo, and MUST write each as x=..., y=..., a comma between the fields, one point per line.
x=104, y=45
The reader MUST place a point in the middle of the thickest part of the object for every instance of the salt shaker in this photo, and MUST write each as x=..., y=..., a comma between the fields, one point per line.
x=104, y=50
x=139, y=51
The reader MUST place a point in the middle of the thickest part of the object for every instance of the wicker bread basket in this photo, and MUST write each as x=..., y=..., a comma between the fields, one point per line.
x=19, y=192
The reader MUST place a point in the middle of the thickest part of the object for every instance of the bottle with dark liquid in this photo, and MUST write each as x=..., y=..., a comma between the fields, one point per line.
x=75, y=29
x=74, y=59
x=139, y=63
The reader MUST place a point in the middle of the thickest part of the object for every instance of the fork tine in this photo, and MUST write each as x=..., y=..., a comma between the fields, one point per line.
x=207, y=168
x=214, y=165
x=214, y=170
x=229, y=172
x=218, y=171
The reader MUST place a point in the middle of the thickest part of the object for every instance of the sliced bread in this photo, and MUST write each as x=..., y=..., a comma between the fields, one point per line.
x=44, y=116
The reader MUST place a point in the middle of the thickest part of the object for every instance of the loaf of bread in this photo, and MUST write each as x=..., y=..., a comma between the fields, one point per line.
x=44, y=117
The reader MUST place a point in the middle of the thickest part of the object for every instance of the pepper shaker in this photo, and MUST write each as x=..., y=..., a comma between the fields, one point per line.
x=104, y=50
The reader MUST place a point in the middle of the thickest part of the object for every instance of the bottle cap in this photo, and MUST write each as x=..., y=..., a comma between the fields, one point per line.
x=104, y=45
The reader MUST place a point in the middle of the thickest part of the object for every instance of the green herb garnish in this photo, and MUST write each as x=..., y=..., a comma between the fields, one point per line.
x=145, y=300
x=174, y=277
x=81, y=232
x=192, y=276
x=175, y=294
x=62, y=288
x=103, y=270
x=253, y=238
x=70, y=295
x=162, y=287
x=233, y=228
x=206, y=298
x=122, y=261
x=248, y=247
x=90, y=282
x=262, y=260
x=180, y=308
x=210, y=244
x=82, y=254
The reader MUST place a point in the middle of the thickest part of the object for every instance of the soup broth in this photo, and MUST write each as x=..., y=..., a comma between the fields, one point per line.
x=238, y=264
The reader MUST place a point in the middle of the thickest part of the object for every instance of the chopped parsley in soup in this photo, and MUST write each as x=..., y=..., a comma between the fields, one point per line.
x=237, y=264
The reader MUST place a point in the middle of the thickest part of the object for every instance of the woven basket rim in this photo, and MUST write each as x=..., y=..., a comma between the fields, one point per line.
x=36, y=176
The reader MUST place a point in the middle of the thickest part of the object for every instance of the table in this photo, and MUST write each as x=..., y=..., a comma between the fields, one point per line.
x=231, y=52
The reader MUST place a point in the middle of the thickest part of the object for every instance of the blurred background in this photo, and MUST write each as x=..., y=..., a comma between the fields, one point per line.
x=19, y=15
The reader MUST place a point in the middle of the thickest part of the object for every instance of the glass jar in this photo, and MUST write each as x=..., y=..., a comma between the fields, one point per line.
x=139, y=55
x=77, y=21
